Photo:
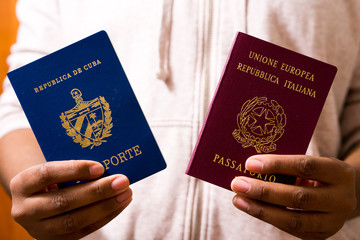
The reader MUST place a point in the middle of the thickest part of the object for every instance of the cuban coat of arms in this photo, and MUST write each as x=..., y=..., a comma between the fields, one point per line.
x=88, y=122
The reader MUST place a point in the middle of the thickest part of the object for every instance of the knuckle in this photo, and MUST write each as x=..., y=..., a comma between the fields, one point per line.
x=351, y=204
x=349, y=171
x=99, y=191
x=76, y=166
x=45, y=175
x=295, y=224
x=60, y=202
x=17, y=214
x=109, y=206
x=92, y=227
x=13, y=185
x=277, y=165
x=316, y=223
x=257, y=211
x=307, y=166
x=20, y=210
x=71, y=223
x=351, y=200
x=16, y=183
x=299, y=199
x=262, y=192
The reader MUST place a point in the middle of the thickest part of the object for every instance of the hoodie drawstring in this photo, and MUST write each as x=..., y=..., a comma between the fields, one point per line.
x=164, y=41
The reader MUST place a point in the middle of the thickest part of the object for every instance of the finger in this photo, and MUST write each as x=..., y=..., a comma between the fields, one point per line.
x=298, y=223
x=83, y=218
x=38, y=177
x=310, y=199
x=89, y=229
x=57, y=202
x=307, y=167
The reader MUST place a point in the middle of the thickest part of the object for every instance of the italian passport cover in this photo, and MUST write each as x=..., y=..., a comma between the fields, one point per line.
x=268, y=101
x=80, y=105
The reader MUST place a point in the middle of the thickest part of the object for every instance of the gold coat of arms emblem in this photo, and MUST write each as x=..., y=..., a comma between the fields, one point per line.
x=260, y=124
x=88, y=122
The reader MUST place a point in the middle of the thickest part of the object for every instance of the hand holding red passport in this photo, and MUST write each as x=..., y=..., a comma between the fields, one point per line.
x=261, y=118
x=268, y=101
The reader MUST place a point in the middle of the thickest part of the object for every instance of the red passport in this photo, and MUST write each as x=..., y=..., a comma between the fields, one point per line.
x=268, y=101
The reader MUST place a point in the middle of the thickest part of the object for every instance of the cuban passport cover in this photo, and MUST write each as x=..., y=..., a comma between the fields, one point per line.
x=80, y=105
x=268, y=101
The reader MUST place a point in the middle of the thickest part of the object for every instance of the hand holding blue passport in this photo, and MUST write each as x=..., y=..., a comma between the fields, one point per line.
x=80, y=105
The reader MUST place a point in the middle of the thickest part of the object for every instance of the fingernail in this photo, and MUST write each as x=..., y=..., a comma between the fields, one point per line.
x=96, y=170
x=119, y=183
x=124, y=196
x=240, y=186
x=240, y=203
x=253, y=164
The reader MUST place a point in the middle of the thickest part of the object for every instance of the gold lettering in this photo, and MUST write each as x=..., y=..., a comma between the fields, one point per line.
x=106, y=163
x=311, y=78
x=221, y=160
x=77, y=71
x=258, y=73
x=229, y=163
x=216, y=157
x=233, y=162
x=263, y=59
x=239, y=168
x=228, y=160
x=297, y=72
x=136, y=149
x=116, y=162
x=122, y=157
x=66, y=76
x=91, y=65
x=272, y=178
x=300, y=88
x=128, y=152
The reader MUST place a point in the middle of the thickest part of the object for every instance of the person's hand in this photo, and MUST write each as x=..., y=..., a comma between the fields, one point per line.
x=314, y=208
x=47, y=212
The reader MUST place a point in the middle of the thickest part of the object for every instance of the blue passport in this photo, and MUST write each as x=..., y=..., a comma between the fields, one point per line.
x=80, y=105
